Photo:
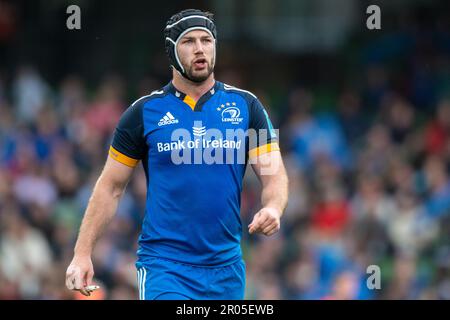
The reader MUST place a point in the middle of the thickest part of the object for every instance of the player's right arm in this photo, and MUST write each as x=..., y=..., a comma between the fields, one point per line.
x=100, y=210
x=127, y=148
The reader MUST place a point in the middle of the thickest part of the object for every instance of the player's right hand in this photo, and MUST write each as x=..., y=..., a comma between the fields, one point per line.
x=79, y=274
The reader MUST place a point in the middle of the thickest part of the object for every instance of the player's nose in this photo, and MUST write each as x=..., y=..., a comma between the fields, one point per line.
x=198, y=46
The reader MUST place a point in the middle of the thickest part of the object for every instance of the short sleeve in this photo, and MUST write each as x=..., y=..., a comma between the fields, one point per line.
x=128, y=144
x=263, y=138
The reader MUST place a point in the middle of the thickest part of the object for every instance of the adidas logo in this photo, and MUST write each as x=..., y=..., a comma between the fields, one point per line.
x=167, y=119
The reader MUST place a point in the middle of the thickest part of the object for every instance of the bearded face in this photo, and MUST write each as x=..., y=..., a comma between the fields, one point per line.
x=196, y=52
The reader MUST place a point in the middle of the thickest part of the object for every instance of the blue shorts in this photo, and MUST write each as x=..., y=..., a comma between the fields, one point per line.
x=161, y=279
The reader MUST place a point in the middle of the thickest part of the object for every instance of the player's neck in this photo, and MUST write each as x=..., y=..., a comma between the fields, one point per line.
x=193, y=89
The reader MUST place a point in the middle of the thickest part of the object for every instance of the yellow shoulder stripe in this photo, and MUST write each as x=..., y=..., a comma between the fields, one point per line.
x=263, y=149
x=120, y=157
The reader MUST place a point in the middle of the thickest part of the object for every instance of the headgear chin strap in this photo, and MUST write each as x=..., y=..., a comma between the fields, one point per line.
x=178, y=26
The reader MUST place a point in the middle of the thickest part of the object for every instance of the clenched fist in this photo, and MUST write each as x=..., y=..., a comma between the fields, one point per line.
x=266, y=221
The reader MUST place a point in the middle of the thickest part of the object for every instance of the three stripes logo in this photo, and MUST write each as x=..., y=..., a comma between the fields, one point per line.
x=199, y=131
x=167, y=119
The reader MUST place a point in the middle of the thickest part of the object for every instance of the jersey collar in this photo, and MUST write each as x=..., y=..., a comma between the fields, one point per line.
x=170, y=88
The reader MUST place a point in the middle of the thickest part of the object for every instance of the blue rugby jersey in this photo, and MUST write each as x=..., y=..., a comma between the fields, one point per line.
x=194, y=156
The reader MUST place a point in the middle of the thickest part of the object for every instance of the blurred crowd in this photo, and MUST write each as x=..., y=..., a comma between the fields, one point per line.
x=369, y=185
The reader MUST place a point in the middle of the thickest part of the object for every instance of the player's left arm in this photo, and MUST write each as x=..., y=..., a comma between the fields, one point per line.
x=271, y=172
x=267, y=163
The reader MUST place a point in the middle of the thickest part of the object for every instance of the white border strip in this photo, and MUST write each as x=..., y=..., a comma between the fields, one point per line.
x=143, y=284
x=154, y=92
x=185, y=18
x=139, y=282
x=228, y=87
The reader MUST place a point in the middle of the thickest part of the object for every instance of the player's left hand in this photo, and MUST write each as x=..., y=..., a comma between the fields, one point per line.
x=266, y=221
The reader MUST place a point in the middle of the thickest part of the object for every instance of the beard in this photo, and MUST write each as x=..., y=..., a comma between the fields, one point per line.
x=199, y=76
